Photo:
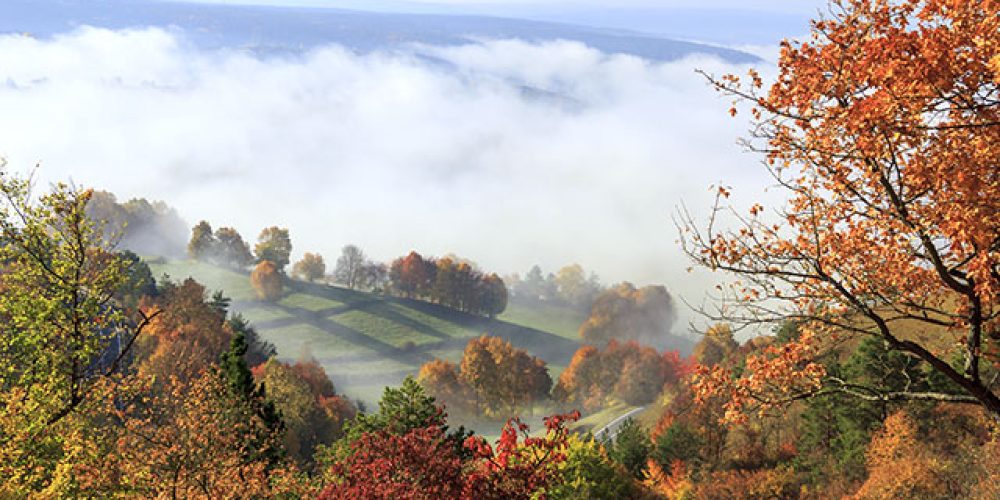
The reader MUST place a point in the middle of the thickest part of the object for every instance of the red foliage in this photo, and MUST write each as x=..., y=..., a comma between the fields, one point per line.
x=418, y=464
x=423, y=463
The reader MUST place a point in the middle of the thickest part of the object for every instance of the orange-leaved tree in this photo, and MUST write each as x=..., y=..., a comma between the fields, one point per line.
x=267, y=281
x=884, y=130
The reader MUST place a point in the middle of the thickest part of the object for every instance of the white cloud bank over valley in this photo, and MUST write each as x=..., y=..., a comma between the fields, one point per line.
x=509, y=152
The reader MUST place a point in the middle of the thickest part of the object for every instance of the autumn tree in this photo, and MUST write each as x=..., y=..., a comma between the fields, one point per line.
x=231, y=250
x=716, y=345
x=190, y=438
x=573, y=286
x=421, y=461
x=274, y=245
x=520, y=466
x=64, y=335
x=627, y=371
x=628, y=313
x=187, y=338
x=267, y=281
x=883, y=129
x=441, y=379
x=494, y=295
x=349, y=270
x=203, y=243
x=311, y=411
x=310, y=268
x=419, y=464
x=412, y=275
x=501, y=376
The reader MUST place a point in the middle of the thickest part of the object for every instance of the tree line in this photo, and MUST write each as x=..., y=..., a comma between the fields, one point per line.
x=448, y=281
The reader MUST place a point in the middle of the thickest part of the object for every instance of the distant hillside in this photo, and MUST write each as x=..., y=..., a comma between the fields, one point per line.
x=277, y=30
x=366, y=341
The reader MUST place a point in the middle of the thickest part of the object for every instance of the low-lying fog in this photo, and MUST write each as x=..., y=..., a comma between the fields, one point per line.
x=509, y=152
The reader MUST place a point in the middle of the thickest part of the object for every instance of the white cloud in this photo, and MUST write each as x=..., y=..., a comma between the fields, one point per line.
x=440, y=152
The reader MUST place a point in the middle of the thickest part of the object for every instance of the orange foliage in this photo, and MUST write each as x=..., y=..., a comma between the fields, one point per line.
x=739, y=485
x=186, y=338
x=187, y=440
x=882, y=127
x=673, y=484
x=442, y=380
x=266, y=281
x=629, y=371
x=503, y=377
x=899, y=466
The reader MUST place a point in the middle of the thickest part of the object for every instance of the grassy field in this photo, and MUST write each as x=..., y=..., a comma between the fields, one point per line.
x=366, y=341
x=562, y=321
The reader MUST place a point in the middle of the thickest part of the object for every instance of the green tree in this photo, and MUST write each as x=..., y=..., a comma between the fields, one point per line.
x=274, y=245
x=139, y=280
x=258, y=349
x=588, y=472
x=631, y=448
x=678, y=442
x=234, y=370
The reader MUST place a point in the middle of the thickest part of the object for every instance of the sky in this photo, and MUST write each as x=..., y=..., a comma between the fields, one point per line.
x=390, y=151
x=727, y=22
x=788, y=6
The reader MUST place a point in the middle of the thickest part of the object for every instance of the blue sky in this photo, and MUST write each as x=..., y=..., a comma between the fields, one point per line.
x=727, y=22
x=804, y=7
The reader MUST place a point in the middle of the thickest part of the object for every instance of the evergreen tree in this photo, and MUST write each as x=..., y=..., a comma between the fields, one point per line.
x=631, y=448
x=234, y=370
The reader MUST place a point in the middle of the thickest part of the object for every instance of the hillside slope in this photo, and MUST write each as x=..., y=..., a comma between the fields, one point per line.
x=367, y=341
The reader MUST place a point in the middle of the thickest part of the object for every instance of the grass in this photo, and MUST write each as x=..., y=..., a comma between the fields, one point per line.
x=385, y=329
x=366, y=342
x=235, y=285
x=562, y=321
x=308, y=302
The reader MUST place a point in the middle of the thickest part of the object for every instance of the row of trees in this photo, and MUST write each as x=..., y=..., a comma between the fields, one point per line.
x=628, y=372
x=448, y=281
x=570, y=286
x=493, y=378
x=226, y=247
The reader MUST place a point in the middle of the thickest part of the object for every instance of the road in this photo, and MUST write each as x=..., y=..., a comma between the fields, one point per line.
x=610, y=431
